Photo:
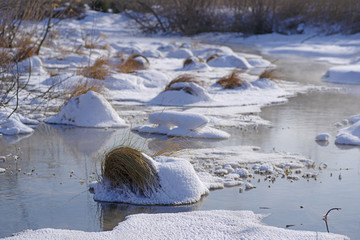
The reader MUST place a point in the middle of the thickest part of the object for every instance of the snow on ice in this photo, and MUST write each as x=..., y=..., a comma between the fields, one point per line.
x=181, y=125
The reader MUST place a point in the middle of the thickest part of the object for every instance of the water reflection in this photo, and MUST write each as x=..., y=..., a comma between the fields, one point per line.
x=12, y=139
x=113, y=213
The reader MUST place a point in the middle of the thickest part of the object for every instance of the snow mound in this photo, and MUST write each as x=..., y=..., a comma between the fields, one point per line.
x=177, y=178
x=259, y=62
x=153, y=78
x=15, y=124
x=152, y=54
x=186, y=93
x=343, y=74
x=197, y=65
x=88, y=110
x=180, y=53
x=231, y=61
x=122, y=81
x=264, y=83
x=181, y=125
x=2, y=170
x=354, y=118
x=215, y=224
x=322, y=137
x=349, y=135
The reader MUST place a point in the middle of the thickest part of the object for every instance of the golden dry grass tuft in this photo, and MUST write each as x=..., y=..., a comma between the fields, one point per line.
x=182, y=78
x=268, y=73
x=128, y=167
x=212, y=57
x=133, y=64
x=191, y=60
x=231, y=81
x=84, y=86
x=99, y=70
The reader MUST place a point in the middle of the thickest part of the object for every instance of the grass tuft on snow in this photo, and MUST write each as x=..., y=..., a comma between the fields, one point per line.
x=231, y=81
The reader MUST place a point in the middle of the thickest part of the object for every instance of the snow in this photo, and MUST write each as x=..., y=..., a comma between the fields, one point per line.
x=349, y=135
x=355, y=118
x=180, y=53
x=349, y=74
x=216, y=224
x=190, y=93
x=181, y=124
x=2, y=170
x=229, y=61
x=322, y=137
x=15, y=124
x=88, y=110
x=177, y=178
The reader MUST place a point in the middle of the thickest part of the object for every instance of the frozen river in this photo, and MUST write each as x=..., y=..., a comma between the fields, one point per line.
x=47, y=186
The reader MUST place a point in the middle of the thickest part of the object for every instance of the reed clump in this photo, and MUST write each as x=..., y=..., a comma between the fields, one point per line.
x=231, y=81
x=99, y=70
x=129, y=168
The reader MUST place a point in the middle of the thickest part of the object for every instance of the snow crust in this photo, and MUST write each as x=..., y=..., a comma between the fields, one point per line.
x=177, y=178
x=181, y=124
x=88, y=110
x=216, y=224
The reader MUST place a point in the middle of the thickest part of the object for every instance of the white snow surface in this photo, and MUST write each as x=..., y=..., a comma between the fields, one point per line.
x=88, y=110
x=15, y=124
x=349, y=135
x=349, y=74
x=322, y=137
x=229, y=61
x=216, y=224
x=177, y=178
x=181, y=124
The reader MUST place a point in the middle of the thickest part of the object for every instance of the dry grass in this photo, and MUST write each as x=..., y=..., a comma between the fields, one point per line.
x=231, y=81
x=182, y=78
x=133, y=64
x=268, y=73
x=191, y=60
x=99, y=70
x=84, y=86
x=127, y=167
x=212, y=57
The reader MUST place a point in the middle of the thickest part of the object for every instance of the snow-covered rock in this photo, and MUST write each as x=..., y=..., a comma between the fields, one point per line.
x=179, y=184
x=349, y=135
x=322, y=137
x=230, y=61
x=182, y=125
x=2, y=170
x=343, y=74
x=88, y=110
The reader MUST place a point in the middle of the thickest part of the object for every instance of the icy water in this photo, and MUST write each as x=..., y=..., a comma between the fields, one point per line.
x=46, y=187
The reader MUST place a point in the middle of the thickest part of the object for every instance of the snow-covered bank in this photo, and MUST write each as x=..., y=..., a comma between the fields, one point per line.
x=192, y=225
x=350, y=135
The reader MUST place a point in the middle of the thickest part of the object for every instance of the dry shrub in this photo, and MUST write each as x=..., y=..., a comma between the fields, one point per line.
x=99, y=70
x=127, y=167
x=133, y=64
x=84, y=86
x=231, y=81
x=268, y=73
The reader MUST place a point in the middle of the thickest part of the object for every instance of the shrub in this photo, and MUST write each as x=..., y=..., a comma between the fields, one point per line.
x=84, y=86
x=231, y=81
x=128, y=167
x=268, y=73
x=99, y=70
